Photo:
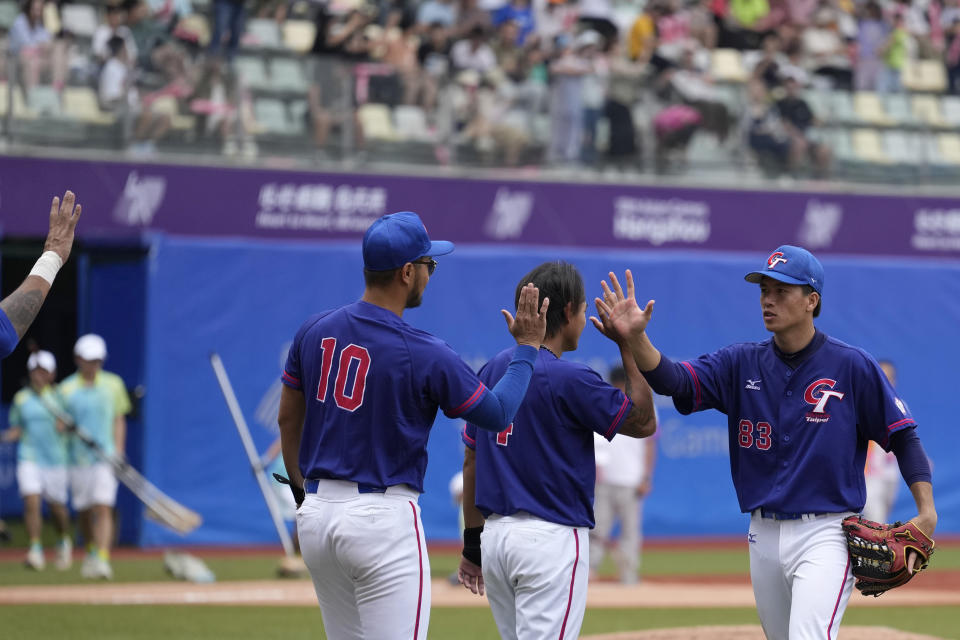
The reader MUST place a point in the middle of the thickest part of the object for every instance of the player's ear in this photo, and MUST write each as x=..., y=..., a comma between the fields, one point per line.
x=408, y=272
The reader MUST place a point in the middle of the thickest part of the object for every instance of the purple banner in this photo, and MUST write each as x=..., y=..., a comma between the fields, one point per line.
x=124, y=199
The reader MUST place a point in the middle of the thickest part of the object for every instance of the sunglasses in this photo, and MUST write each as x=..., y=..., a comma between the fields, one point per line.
x=431, y=265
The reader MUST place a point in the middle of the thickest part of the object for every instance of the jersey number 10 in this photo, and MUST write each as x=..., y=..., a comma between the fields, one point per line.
x=347, y=401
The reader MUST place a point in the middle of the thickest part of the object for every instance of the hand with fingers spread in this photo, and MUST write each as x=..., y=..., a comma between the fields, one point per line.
x=618, y=315
x=530, y=325
x=63, y=221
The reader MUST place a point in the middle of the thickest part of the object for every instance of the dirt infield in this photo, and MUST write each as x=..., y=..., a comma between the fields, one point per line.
x=649, y=594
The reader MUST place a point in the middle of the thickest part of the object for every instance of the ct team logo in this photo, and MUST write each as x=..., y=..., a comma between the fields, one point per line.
x=775, y=258
x=818, y=394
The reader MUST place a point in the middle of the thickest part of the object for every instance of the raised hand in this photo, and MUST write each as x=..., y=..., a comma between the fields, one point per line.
x=63, y=221
x=618, y=315
x=530, y=326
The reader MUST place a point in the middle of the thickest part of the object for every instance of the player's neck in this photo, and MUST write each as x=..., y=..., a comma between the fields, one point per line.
x=387, y=299
x=795, y=338
x=554, y=345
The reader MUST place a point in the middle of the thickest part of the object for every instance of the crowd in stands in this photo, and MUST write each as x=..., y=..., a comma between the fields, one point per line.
x=560, y=82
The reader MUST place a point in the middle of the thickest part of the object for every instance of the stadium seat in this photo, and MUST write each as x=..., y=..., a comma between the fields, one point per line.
x=8, y=13
x=411, y=123
x=951, y=110
x=261, y=34
x=926, y=109
x=821, y=103
x=271, y=116
x=252, y=72
x=727, y=65
x=924, y=75
x=44, y=100
x=898, y=108
x=286, y=74
x=949, y=147
x=868, y=147
x=903, y=147
x=298, y=113
x=376, y=123
x=80, y=103
x=869, y=109
x=194, y=28
x=298, y=35
x=51, y=18
x=80, y=19
x=841, y=144
x=843, y=110
x=20, y=110
x=167, y=105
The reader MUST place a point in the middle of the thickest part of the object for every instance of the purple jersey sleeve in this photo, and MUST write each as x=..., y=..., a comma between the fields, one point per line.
x=709, y=382
x=449, y=381
x=880, y=413
x=292, y=373
x=469, y=435
x=589, y=401
x=8, y=336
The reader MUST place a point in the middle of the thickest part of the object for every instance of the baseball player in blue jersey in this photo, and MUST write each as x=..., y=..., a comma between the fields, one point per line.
x=361, y=392
x=18, y=310
x=528, y=490
x=801, y=408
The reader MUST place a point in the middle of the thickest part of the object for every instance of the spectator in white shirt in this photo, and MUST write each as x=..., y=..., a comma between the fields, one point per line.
x=115, y=25
x=473, y=53
x=35, y=49
x=119, y=95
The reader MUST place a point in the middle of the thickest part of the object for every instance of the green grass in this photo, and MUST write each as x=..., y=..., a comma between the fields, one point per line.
x=89, y=622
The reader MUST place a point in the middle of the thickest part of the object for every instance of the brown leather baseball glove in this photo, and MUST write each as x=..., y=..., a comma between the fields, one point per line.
x=878, y=553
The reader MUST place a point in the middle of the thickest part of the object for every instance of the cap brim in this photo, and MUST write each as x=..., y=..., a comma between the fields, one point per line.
x=756, y=276
x=440, y=248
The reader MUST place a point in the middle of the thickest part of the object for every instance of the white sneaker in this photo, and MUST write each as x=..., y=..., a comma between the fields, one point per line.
x=102, y=569
x=64, y=556
x=88, y=568
x=35, y=559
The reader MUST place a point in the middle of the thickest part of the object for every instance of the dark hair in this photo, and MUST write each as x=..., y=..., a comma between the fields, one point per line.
x=379, y=279
x=561, y=282
x=807, y=290
x=617, y=375
x=115, y=44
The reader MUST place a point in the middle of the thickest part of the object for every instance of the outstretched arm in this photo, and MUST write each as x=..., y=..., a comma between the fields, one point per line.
x=18, y=310
x=623, y=321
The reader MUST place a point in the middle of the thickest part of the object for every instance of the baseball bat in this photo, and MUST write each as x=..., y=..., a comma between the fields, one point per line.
x=161, y=508
x=268, y=495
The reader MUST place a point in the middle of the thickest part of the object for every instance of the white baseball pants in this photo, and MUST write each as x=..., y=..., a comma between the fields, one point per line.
x=535, y=573
x=800, y=570
x=367, y=555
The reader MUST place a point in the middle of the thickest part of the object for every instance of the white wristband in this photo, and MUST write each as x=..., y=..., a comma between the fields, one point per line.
x=47, y=266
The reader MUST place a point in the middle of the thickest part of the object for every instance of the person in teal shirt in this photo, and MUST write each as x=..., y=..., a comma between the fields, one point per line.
x=98, y=402
x=41, y=459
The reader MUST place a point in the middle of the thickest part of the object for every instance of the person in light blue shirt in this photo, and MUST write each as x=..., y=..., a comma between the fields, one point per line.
x=98, y=402
x=41, y=459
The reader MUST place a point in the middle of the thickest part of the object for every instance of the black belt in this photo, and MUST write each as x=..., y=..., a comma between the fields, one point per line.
x=778, y=515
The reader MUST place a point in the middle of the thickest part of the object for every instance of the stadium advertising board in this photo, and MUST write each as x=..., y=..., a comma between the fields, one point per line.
x=121, y=199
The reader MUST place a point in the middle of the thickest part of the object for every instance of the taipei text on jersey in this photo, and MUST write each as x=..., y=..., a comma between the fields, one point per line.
x=372, y=385
x=543, y=463
x=798, y=437
x=40, y=442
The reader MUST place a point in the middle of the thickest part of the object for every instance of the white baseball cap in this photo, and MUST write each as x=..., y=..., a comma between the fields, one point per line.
x=90, y=347
x=42, y=359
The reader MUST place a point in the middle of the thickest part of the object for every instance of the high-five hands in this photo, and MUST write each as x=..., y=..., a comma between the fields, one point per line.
x=530, y=326
x=618, y=315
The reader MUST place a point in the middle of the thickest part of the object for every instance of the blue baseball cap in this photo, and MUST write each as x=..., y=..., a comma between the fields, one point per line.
x=398, y=238
x=793, y=265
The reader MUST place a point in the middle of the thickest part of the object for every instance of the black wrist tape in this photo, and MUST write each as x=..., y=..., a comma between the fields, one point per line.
x=471, y=544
